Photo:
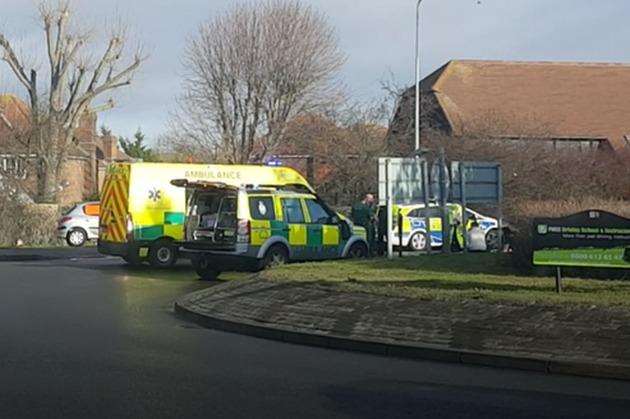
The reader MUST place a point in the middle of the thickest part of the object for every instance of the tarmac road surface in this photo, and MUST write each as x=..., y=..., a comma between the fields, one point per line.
x=93, y=338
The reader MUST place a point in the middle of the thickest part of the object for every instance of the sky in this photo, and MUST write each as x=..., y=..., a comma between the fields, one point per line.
x=377, y=36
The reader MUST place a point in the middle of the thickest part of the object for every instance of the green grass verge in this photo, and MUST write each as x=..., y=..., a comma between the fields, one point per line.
x=456, y=277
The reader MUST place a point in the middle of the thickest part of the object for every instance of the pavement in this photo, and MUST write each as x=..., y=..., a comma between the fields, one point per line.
x=93, y=338
x=589, y=341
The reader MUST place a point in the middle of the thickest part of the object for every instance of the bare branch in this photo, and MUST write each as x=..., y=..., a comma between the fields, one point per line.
x=11, y=58
x=74, y=84
x=250, y=71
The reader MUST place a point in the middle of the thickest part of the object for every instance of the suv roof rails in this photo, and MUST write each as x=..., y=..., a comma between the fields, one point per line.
x=288, y=188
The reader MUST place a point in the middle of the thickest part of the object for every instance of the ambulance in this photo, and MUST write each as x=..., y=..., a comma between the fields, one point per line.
x=255, y=225
x=142, y=213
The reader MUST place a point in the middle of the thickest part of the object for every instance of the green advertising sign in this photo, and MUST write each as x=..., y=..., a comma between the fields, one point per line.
x=593, y=239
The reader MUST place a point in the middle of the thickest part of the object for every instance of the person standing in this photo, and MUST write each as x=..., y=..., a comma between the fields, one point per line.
x=364, y=214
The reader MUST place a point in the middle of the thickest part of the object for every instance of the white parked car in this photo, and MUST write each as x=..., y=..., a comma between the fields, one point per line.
x=80, y=224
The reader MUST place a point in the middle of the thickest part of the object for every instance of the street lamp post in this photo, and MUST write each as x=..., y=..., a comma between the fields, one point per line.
x=418, y=75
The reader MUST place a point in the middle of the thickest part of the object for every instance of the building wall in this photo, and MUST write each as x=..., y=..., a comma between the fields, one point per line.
x=73, y=181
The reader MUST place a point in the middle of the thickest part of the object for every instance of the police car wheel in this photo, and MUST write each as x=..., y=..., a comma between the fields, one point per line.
x=162, y=254
x=76, y=237
x=276, y=256
x=358, y=251
x=418, y=242
x=492, y=240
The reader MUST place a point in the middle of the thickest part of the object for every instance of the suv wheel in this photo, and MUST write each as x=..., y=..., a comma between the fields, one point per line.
x=277, y=255
x=162, y=254
x=76, y=237
x=358, y=251
x=205, y=271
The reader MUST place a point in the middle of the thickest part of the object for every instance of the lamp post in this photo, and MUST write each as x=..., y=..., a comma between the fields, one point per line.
x=418, y=75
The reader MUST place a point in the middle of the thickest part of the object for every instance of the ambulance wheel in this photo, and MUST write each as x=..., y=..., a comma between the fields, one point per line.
x=133, y=258
x=358, y=251
x=277, y=255
x=162, y=254
x=203, y=268
x=418, y=242
x=76, y=237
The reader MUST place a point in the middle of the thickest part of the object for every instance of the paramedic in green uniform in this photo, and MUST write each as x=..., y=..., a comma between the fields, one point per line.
x=364, y=215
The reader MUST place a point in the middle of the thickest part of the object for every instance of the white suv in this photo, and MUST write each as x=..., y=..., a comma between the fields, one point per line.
x=80, y=224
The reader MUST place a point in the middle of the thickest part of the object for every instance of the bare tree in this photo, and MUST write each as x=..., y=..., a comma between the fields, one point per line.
x=344, y=144
x=248, y=72
x=75, y=82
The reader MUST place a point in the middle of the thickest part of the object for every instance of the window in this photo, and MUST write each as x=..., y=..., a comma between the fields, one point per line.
x=261, y=208
x=292, y=210
x=206, y=206
x=227, y=213
x=318, y=213
x=13, y=165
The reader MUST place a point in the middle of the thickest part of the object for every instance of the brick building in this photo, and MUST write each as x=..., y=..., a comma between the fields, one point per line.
x=563, y=104
x=83, y=172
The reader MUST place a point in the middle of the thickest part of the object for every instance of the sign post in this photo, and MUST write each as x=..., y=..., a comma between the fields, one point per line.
x=462, y=192
x=425, y=198
x=443, y=188
x=401, y=181
x=389, y=207
x=478, y=183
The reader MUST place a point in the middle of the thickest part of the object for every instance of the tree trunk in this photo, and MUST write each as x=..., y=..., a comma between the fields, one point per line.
x=47, y=181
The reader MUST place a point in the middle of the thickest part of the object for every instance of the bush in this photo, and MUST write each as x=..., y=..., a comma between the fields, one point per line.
x=33, y=224
x=521, y=215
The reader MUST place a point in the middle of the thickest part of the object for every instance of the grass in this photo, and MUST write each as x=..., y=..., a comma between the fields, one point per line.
x=487, y=277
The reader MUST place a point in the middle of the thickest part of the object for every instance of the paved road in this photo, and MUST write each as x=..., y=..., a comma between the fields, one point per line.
x=91, y=338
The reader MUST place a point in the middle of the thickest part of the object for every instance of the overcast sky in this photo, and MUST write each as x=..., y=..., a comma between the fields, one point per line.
x=377, y=36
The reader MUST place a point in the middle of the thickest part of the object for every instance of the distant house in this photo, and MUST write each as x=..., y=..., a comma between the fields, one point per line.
x=89, y=155
x=574, y=105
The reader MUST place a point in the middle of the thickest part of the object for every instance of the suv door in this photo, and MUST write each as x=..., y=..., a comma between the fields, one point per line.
x=324, y=236
x=295, y=226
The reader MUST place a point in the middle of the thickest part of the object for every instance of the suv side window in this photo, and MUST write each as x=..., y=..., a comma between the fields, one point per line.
x=318, y=214
x=292, y=211
x=261, y=208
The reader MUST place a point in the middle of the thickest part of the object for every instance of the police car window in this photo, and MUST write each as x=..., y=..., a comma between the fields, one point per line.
x=292, y=210
x=261, y=208
x=318, y=214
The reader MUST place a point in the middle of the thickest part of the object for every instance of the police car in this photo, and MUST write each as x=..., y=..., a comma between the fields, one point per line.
x=253, y=227
x=414, y=225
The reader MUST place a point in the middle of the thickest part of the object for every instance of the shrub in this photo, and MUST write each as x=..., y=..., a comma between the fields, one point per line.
x=33, y=224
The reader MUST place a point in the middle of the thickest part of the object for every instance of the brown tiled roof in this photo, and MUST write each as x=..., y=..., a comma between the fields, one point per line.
x=547, y=99
x=13, y=111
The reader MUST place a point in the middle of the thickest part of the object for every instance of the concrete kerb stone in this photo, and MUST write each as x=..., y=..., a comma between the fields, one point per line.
x=416, y=352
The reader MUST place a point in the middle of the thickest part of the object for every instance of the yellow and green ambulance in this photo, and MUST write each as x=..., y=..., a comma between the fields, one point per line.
x=142, y=214
x=255, y=226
